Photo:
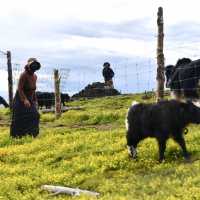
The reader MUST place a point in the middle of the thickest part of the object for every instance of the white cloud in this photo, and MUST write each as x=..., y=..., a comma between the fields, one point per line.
x=123, y=47
x=26, y=21
x=104, y=10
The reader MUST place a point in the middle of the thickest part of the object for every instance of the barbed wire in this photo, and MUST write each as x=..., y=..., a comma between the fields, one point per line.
x=45, y=80
x=186, y=79
x=187, y=66
x=132, y=78
x=3, y=52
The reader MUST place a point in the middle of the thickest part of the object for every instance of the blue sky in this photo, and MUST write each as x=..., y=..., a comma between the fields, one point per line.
x=81, y=35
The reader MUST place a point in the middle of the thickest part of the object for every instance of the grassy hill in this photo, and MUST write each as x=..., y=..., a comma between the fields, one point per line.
x=87, y=149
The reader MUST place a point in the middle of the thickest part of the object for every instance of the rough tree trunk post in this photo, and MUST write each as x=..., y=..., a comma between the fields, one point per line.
x=160, y=57
x=10, y=79
x=57, y=94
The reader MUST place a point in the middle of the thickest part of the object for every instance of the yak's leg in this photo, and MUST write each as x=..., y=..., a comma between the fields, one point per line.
x=162, y=147
x=181, y=141
x=132, y=142
x=176, y=94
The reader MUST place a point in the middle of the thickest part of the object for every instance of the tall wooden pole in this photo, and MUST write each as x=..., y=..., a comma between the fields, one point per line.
x=160, y=57
x=57, y=93
x=10, y=79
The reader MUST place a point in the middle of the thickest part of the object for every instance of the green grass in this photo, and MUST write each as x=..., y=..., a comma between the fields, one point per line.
x=87, y=149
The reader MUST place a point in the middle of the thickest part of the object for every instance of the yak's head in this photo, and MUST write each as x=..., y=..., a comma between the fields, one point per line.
x=169, y=70
x=191, y=112
x=183, y=61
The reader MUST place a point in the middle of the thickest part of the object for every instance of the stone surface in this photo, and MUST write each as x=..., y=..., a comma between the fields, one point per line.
x=96, y=89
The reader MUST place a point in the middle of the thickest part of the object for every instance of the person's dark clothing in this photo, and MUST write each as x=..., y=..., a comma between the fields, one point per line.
x=25, y=120
x=108, y=73
x=27, y=86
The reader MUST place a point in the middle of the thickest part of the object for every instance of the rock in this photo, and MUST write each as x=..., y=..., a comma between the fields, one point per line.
x=96, y=89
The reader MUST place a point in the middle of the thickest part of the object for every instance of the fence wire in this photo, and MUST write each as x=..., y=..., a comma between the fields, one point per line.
x=131, y=77
x=137, y=77
x=3, y=75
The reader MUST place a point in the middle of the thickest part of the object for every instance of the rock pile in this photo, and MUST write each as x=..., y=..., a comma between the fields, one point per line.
x=96, y=89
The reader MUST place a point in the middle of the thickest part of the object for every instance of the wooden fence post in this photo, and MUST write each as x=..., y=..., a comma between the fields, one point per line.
x=160, y=57
x=57, y=93
x=10, y=79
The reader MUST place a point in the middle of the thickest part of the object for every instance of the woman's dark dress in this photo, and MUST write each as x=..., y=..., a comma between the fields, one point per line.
x=25, y=121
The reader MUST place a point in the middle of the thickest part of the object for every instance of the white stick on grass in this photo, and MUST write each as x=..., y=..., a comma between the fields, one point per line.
x=66, y=190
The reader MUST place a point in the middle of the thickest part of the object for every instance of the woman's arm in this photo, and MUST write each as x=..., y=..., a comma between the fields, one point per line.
x=20, y=88
x=22, y=95
x=34, y=94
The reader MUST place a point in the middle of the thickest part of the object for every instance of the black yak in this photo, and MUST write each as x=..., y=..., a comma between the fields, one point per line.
x=160, y=120
x=3, y=102
x=47, y=99
x=183, y=78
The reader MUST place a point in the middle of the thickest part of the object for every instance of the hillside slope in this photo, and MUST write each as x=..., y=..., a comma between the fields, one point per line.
x=87, y=149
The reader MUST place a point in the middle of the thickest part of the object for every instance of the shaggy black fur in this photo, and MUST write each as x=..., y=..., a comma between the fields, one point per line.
x=47, y=99
x=161, y=121
x=3, y=102
x=183, y=77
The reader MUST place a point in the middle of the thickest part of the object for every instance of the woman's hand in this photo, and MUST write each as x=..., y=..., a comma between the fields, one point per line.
x=36, y=105
x=27, y=103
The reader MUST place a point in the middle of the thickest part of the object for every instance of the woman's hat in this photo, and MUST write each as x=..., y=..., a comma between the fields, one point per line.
x=106, y=64
x=33, y=64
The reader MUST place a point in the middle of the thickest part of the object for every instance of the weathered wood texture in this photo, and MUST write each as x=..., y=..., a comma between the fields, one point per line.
x=160, y=56
x=10, y=79
x=57, y=94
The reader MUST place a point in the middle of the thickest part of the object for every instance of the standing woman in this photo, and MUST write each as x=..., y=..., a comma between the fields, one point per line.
x=25, y=117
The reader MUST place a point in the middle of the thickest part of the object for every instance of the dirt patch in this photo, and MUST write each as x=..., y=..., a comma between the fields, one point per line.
x=97, y=127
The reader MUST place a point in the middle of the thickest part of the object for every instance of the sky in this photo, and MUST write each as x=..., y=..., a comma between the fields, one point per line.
x=81, y=35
